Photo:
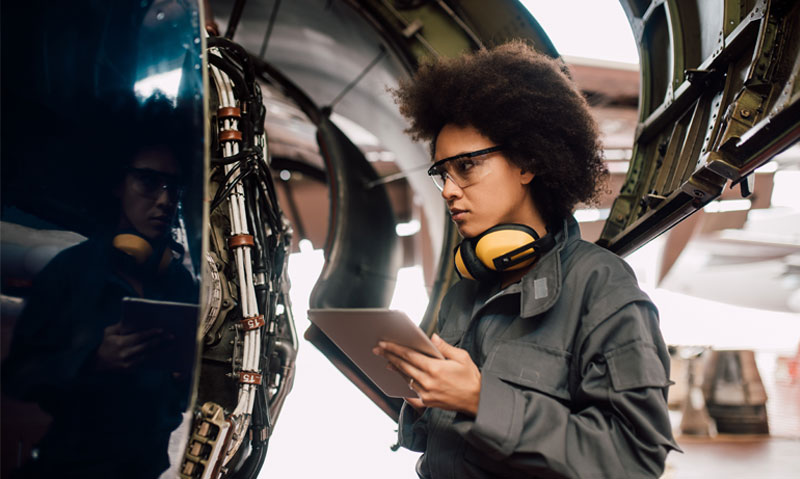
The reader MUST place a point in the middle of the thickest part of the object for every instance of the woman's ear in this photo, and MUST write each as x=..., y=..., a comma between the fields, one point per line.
x=525, y=176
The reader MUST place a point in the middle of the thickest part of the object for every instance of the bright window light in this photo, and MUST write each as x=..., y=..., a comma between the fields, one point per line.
x=305, y=246
x=585, y=216
x=602, y=21
x=727, y=205
x=770, y=167
x=408, y=229
x=410, y=295
x=784, y=189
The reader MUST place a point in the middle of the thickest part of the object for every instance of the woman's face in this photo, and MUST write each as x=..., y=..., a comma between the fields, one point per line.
x=496, y=190
x=150, y=192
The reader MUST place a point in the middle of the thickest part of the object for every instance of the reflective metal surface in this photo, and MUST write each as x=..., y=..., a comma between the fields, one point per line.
x=103, y=136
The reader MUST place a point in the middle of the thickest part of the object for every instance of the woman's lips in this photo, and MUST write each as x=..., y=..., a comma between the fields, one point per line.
x=160, y=220
x=457, y=214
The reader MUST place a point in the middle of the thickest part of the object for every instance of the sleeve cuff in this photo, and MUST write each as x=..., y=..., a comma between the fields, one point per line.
x=498, y=425
x=411, y=432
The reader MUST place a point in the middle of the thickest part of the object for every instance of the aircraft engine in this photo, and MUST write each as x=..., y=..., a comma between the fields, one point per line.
x=249, y=340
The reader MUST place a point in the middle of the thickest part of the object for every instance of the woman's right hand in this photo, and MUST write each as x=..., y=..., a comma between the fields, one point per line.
x=120, y=351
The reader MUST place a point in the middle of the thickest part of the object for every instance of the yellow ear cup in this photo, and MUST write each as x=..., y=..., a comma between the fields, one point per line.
x=461, y=267
x=498, y=249
x=140, y=249
x=500, y=242
x=166, y=258
x=133, y=245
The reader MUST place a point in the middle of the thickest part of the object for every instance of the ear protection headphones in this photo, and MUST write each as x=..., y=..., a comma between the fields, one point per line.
x=504, y=247
x=142, y=252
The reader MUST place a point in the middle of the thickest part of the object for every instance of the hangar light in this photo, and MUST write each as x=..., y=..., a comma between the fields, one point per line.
x=167, y=83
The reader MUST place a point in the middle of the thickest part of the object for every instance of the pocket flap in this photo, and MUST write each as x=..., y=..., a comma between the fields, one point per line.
x=636, y=365
x=531, y=366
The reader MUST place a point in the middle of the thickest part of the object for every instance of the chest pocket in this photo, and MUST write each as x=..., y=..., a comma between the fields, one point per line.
x=532, y=367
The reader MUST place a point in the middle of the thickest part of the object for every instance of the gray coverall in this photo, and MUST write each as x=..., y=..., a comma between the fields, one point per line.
x=574, y=375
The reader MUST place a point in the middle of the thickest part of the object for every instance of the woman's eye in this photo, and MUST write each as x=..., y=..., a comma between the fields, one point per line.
x=464, y=165
x=150, y=183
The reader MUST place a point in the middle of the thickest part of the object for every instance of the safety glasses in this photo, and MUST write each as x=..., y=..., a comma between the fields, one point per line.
x=151, y=183
x=464, y=170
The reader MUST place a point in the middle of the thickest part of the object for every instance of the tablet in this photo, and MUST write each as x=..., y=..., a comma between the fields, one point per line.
x=177, y=320
x=357, y=331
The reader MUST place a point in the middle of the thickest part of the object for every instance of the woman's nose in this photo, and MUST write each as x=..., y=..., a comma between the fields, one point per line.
x=165, y=197
x=450, y=189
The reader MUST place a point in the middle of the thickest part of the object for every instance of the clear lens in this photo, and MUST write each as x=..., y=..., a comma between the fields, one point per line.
x=438, y=179
x=461, y=171
x=150, y=184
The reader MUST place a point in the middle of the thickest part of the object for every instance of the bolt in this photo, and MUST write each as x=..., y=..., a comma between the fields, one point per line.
x=745, y=113
x=698, y=193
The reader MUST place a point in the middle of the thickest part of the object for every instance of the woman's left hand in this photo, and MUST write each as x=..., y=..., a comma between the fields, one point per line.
x=453, y=383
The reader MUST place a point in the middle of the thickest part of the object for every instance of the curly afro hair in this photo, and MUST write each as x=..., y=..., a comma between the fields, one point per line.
x=524, y=101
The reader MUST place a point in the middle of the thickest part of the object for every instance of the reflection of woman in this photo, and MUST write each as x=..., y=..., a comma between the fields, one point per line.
x=556, y=368
x=112, y=410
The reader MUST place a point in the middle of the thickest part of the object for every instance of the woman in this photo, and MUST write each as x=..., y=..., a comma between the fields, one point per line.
x=555, y=366
x=112, y=401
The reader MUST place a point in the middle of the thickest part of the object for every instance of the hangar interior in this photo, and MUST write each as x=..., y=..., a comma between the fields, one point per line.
x=700, y=140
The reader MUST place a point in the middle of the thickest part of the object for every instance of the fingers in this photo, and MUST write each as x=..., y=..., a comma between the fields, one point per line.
x=453, y=383
x=127, y=350
x=403, y=367
x=408, y=370
x=139, y=350
x=114, y=329
x=417, y=359
x=448, y=351
x=140, y=337
x=123, y=339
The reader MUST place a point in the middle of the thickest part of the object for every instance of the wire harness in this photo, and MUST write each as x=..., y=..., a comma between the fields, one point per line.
x=255, y=318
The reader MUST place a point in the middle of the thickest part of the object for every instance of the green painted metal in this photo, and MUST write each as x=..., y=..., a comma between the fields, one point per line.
x=448, y=28
x=742, y=95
